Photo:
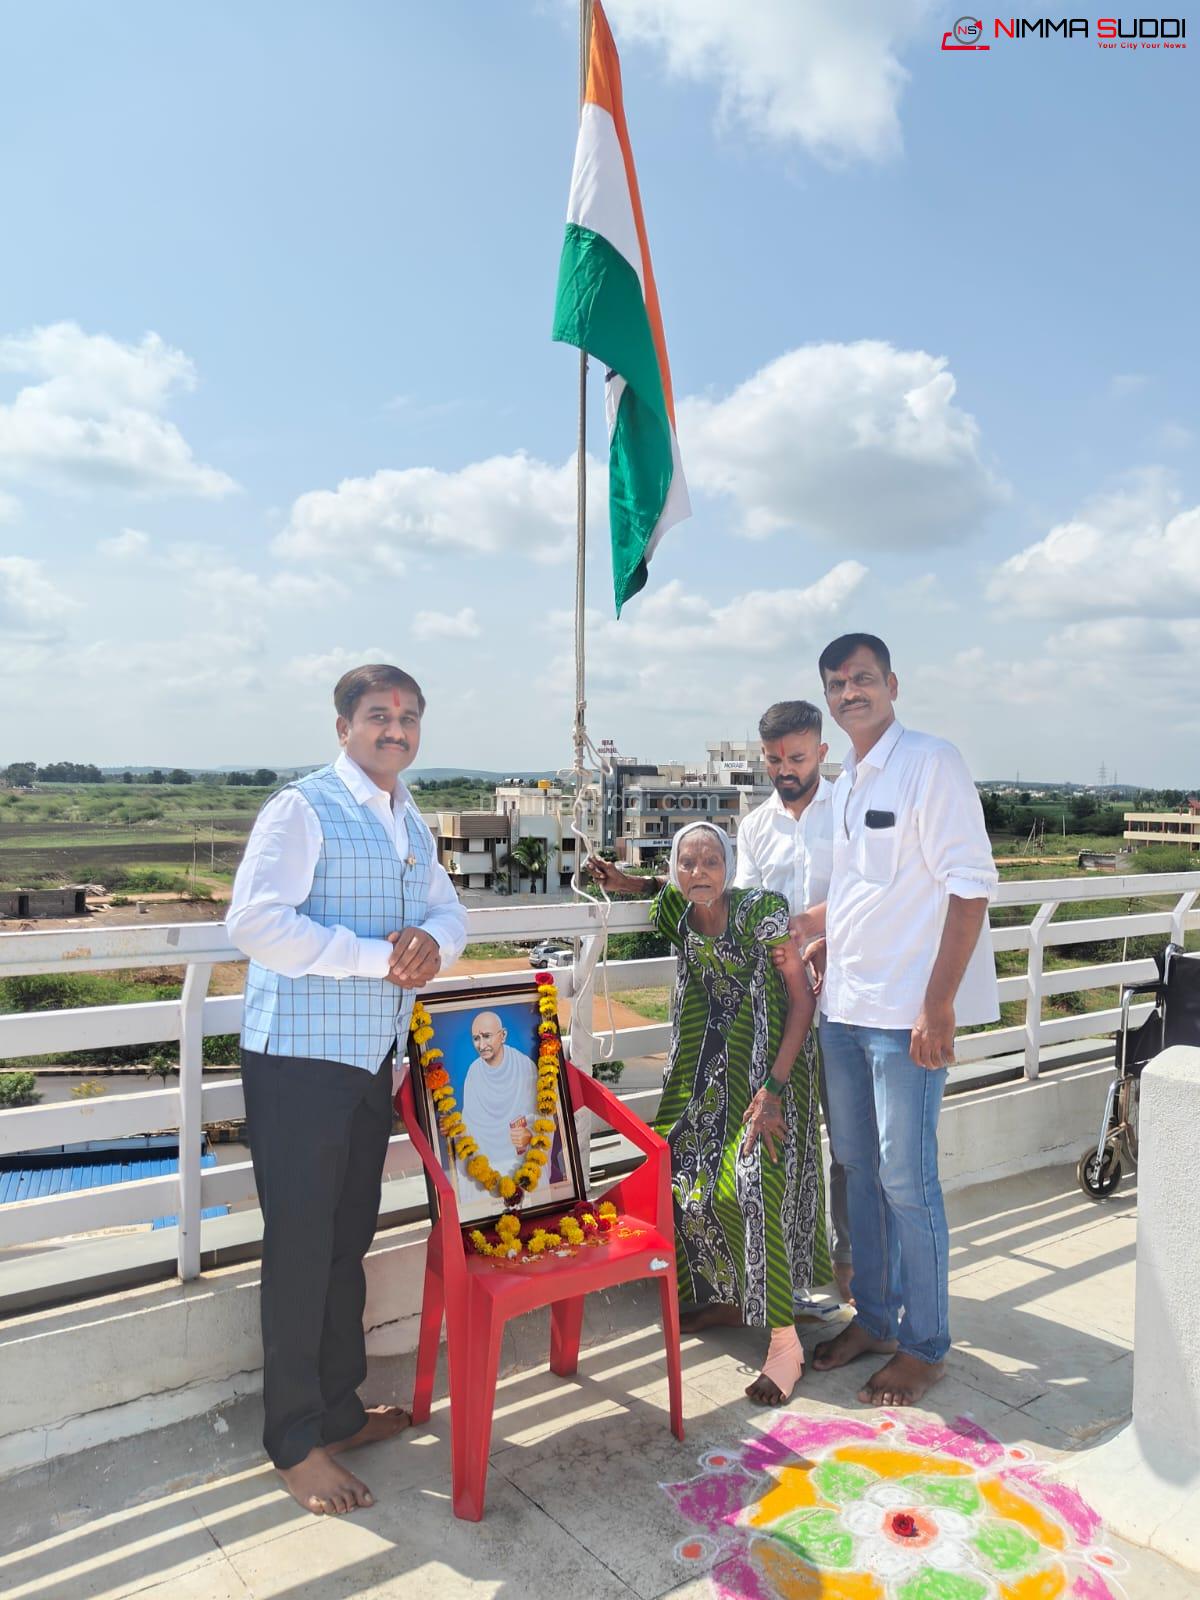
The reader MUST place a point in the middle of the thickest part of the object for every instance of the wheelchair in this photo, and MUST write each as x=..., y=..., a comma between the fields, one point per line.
x=1174, y=1020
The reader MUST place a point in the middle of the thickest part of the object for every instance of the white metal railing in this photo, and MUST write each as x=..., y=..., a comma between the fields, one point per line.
x=197, y=947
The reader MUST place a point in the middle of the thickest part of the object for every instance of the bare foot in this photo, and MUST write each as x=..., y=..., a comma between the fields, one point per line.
x=843, y=1273
x=383, y=1422
x=319, y=1485
x=782, y=1370
x=765, y=1391
x=847, y=1346
x=710, y=1317
x=901, y=1382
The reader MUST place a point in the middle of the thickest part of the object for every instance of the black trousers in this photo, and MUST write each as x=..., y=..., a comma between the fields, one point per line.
x=318, y=1137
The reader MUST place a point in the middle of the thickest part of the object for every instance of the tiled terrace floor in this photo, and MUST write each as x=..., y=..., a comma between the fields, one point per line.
x=1043, y=1317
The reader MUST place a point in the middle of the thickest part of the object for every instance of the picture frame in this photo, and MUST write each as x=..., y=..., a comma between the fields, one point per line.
x=489, y=1042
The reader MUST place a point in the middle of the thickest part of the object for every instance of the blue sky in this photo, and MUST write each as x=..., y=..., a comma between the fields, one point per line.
x=931, y=321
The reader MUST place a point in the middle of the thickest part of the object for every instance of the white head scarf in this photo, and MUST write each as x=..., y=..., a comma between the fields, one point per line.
x=726, y=847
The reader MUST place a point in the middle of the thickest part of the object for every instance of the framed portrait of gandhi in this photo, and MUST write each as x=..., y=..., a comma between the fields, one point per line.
x=489, y=1042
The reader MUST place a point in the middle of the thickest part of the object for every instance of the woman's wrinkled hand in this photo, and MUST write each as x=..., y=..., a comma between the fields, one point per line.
x=763, y=1120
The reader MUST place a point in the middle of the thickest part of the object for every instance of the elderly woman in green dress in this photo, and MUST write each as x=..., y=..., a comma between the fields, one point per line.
x=739, y=1104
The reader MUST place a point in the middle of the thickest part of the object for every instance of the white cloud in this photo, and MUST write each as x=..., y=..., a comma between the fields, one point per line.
x=791, y=71
x=126, y=545
x=31, y=607
x=236, y=593
x=462, y=624
x=860, y=443
x=1123, y=384
x=679, y=652
x=1129, y=552
x=1175, y=436
x=672, y=622
x=507, y=503
x=926, y=596
x=94, y=416
x=206, y=667
x=324, y=668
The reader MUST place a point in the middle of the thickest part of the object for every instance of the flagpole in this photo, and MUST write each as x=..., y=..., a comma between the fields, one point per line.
x=580, y=735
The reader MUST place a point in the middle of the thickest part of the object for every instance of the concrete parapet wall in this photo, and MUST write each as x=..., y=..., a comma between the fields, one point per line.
x=1145, y=1482
x=117, y=1365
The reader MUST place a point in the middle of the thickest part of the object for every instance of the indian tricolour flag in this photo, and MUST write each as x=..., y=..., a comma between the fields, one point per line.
x=607, y=304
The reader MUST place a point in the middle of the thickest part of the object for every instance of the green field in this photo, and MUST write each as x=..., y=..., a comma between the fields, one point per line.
x=103, y=832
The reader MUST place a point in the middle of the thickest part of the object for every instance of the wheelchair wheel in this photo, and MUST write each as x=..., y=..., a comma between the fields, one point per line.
x=1128, y=1103
x=1099, y=1180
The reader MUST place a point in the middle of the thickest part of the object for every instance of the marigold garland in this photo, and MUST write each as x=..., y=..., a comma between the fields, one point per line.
x=569, y=1232
x=509, y=1187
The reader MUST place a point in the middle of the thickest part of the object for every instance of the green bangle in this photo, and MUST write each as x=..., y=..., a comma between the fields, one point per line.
x=773, y=1085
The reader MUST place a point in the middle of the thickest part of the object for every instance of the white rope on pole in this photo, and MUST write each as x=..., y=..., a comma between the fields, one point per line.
x=583, y=785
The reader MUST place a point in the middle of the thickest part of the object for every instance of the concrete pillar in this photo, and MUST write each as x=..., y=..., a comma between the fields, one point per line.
x=1145, y=1482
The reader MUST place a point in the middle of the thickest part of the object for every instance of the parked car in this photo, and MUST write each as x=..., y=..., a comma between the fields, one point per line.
x=551, y=953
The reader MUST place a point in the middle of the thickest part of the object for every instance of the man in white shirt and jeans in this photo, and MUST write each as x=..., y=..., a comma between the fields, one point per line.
x=909, y=959
x=345, y=913
x=786, y=845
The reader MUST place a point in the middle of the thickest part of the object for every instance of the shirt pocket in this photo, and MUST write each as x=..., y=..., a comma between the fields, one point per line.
x=877, y=849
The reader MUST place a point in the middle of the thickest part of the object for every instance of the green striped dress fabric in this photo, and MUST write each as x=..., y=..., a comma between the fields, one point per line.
x=748, y=1232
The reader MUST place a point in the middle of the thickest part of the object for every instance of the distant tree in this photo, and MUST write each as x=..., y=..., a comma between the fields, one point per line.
x=127, y=777
x=178, y=775
x=1082, y=806
x=1024, y=797
x=21, y=774
x=157, y=776
x=533, y=858
x=70, y=772
x=264, y=777
x=995, y=812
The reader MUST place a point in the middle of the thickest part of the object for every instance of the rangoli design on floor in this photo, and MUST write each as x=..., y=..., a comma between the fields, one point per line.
x=898, y=1508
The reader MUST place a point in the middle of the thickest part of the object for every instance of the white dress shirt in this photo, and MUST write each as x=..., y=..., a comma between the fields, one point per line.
x=276, y=875
x=892, y=882
x=789, y=855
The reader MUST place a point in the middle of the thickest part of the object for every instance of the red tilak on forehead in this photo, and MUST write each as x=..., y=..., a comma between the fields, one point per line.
x=395, y=697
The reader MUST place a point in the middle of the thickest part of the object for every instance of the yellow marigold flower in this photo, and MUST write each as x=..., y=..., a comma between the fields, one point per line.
x=423, y=1035
x=508, y=1224
x=465, y=1147
x=588, y=1219
x=543, y=1125
x=433, y=1054
x=507, y=1188
x=477, y=1168
x=478, y=1240
x=606, y=1209
x=553, y=1239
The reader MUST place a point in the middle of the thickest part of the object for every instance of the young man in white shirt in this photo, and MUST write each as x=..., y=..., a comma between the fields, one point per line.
x=345, y=913
x=786, y=845
x=909, y=959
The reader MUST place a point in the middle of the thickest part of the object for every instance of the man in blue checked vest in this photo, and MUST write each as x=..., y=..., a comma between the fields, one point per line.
x=345, y=913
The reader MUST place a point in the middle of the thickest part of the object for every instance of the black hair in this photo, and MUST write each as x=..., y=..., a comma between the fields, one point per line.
x=789, y=716
x=352, y=685
x=834, y=654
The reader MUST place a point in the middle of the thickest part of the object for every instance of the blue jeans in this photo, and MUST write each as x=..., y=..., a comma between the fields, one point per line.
x=883, y=1125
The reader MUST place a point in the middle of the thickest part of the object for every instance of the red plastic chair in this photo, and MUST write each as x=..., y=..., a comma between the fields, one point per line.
x=477, y=1296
